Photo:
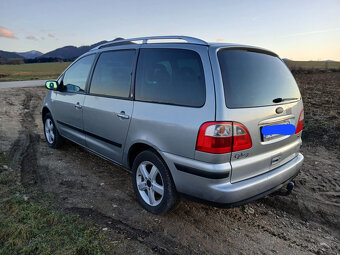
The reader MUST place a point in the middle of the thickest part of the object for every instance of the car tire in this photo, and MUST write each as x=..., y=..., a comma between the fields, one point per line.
x=52, y=136
x=153, y=184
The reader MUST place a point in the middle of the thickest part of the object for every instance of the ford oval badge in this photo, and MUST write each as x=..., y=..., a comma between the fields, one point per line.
x=279, y=110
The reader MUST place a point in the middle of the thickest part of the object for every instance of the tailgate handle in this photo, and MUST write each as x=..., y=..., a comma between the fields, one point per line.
x=275, y=160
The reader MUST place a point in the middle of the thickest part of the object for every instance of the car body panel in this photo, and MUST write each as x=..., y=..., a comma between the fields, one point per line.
x=222, y=191
x=105, y=130
x=69, y=116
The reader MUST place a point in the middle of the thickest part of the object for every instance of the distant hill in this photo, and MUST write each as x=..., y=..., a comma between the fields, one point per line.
x=71, y=52
x=30, y=54
x=7, y=55
x=67, y=53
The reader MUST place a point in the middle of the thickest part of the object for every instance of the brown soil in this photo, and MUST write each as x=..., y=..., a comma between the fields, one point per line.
x=306, y=222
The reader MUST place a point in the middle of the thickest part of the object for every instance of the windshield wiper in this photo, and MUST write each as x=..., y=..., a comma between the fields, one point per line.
x=280, y=99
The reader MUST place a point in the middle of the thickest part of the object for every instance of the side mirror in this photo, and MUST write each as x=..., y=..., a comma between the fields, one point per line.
x=52, y=85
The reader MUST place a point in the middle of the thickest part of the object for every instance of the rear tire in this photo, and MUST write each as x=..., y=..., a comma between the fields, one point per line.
x=153, y=184
x=52, y=136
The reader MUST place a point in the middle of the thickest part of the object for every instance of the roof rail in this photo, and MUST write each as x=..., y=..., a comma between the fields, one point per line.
x=188, y=39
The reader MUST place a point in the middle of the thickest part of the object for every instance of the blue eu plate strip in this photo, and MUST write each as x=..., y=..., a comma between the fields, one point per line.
x=285, y=129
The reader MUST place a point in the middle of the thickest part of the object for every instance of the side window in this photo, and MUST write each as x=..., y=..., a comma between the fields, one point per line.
x=112, y=74
x=171, y=76
x=76, y=76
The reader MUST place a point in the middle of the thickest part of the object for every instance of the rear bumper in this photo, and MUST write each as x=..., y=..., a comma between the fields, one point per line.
x=220, y=190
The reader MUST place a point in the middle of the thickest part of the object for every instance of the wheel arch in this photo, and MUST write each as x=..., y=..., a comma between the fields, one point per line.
x=44, y=111
x=137, y=148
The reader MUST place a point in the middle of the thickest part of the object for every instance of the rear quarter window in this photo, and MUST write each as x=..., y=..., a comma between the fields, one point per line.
x=170, y=76
x=253, y=79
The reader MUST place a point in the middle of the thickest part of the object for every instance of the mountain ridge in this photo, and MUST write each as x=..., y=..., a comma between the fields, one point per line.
x=68, y=52
x=71, y=52
x=30, y=54
x=8, y=55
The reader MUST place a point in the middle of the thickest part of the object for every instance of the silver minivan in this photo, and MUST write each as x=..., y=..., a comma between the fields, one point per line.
x=219, y=123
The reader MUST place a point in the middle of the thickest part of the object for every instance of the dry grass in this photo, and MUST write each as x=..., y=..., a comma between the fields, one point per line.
x=310, y=65
x=32, y=71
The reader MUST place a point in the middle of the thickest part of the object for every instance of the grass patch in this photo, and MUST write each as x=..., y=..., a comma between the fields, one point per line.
x=29, y=226
x=3, y=159
x=33, y=71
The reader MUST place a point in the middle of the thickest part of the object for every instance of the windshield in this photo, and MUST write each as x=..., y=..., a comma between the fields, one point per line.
x=253, y=79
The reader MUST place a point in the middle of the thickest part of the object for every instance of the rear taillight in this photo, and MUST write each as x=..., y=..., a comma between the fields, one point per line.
x=215, y=137
x=223, y=137
x=299, y=126
x=241, y=137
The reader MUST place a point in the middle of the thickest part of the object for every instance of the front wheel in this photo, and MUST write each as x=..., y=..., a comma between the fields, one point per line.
x=153, y=184
x=52, y=135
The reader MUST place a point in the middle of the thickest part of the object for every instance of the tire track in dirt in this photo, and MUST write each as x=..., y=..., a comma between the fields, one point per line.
x=23, y=151
x=250, y=222
x=159, y=244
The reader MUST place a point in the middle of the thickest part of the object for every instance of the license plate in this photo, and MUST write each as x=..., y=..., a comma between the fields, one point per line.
x=270, y=137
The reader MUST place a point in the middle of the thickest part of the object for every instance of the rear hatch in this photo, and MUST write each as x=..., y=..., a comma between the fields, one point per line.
x=260, y=91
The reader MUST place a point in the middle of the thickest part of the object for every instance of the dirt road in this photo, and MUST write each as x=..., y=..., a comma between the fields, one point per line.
x=21, y=84
x=306, y=222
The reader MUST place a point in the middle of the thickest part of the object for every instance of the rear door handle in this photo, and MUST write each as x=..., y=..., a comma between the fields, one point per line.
x=122, y=115
x=78, y=106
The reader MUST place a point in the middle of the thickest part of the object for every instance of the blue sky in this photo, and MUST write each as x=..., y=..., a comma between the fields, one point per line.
x=300, y=30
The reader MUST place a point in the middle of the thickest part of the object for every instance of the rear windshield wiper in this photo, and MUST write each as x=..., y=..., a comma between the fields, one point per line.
x=280, y=99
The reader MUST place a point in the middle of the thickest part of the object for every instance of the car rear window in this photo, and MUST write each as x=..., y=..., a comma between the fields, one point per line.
x=253, y=79
x=170, y=76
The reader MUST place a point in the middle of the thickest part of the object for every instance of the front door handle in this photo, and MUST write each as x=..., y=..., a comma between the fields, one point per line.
x=78, y=106
x=122, y=115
